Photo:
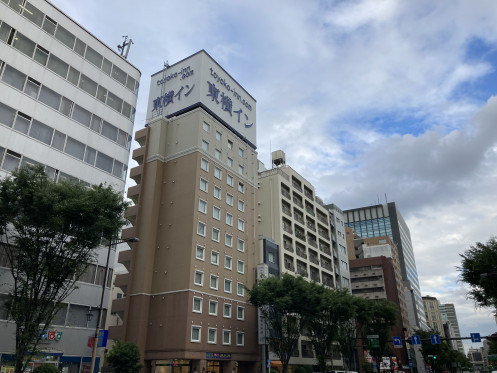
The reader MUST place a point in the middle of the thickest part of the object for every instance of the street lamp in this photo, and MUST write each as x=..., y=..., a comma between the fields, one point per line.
x=99, y=319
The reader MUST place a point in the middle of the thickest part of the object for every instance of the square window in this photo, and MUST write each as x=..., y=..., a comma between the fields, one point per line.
x=217, y=192
x=202, y=206
x=204, y=185
x=241, y=245
x=217, y=154
x=211, y=335
x=214, y=257
x=240, y=170
x=229, y=162
x=205, y=145
x=201, y=228
x=241, y=225
x=218, y=136
x=218, y=173
x=226, y=337
x=227, y=286
x=240, y=266
x=198, y=278
x=215, y=234
x=229, y=219
x=214, y=282
x=227, y=310
x=205, y=126
x=241, y=205
x=241, y=187
x=197, y=305
x=240, y=289
x=204, y=164
x=228, y=240
x=228, y=262
x=230, y=144
x=229, y=199
x=200, y=252
x=240, y=152
x=240, y=313
x=229, y=180
x=196, y=330
x=216, y=212
x=270, y=257
x=213, y=307
x=240, y=338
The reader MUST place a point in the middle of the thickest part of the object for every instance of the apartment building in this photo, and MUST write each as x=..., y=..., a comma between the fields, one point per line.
x=433, y=314
x=339, y=247
x=448, y=312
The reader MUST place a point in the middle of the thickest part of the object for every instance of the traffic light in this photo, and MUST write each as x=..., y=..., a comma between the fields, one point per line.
x=434, y=357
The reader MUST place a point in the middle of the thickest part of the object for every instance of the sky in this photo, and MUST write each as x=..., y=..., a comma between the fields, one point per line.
x=370, y=100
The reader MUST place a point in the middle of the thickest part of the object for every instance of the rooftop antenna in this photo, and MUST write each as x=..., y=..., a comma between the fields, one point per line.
x=127, y=43
x=386, y=200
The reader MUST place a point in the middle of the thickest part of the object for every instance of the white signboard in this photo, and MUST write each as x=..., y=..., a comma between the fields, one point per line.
x=199, y=81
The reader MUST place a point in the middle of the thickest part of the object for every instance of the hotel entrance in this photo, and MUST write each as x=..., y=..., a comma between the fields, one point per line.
x=172, y=366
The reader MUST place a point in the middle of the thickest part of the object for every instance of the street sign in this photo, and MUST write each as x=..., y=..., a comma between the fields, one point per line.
x=397, y=342
x=435, y=339
x=102, y=338
x=475, y=337
x=415, y=340
x=373, y=341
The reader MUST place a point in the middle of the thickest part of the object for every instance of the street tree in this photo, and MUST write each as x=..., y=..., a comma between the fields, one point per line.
x=479, y=270
x=124, y=357
x=48, y=233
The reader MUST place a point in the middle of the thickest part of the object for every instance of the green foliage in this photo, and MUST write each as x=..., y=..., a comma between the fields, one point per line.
x=124, y=357
x=367, y=367
x=272, y=370
x=300, y=369
x=492, y=344
x=479, y=270
x=46, y=368
x=48, y=232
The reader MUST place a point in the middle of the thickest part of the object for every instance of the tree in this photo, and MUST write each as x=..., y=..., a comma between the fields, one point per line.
x=124, y=357
x=285, y=303
x=48, y=231
x=479, y=270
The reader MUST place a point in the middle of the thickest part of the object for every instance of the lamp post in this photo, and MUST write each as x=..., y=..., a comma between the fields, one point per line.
x=99, y=318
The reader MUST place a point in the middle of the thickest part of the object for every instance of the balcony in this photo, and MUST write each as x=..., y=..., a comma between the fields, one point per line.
x=312, y=241
x=298, y=202
x=326, y=265
x=298, y=217
x=134, y=193
x=328, y=281
x=139, y=155
x=315, y=276
x=311, y=226
x=324, y=234
x=302, y=271
x=129, y=232
x=141, y=136
x=121, y=281
x=325, y=249
x=289, y=266
x=296, y=185
x=301, y=253
x=118, y=306
x=308, y=194
x=314, y=259
x=288, y=247
x=286, y=210
x=131, y=213
x=136, y=174
x=300, y=234
x=287, y=228
x=125, y=258
x=285, y=193
x=310, y=210
x=322, y=219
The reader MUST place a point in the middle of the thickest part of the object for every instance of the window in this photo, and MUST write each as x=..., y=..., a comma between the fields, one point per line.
x=94, y=57
x=228, y=240
x=205, y=126
x=204, y=164
x=240, y=170
x=240, y=289
x=226, y=337
x=59, y=140
x=119, y=75
x=227, y=310
x=241, y=187
x=270, y=257
x=109, y=131
x=32, y=88
x=201, y=228
x=198, y=278
x=197, y=305
x=200, y=252
x=240, y=152
x=241, y=245
x=49, y=25
x=24, y=45
x=217, y=154
x=13, y=77
x=205, y=145
x=229, y=219
x=65, y=36
x=214, y=257
x=240, y=266
x=7, y=115
x=228, y=262
x=215, y=234
x=229, y=162
x=202, y=206
x=83, y=116
x=50, y=98
x=230, y=144
x=77, y=149
x=214, y=283
x=213, y=307
x=217, y=192
x=241, y=225
x=89, y=86
x=33, y=14
x=211, y=335
x=73, y=75
x=216, y=212
x=41, y=132
x=204, y=185
x=229, y=180
x=240, y=313
x=90, y=154
x=218, y=173
x=41, y=56
x=196, y=333
x=240, y=338
x=22, y=122
x=229, y=199
x=241, y=205
x=227, y=286
x=103, y=162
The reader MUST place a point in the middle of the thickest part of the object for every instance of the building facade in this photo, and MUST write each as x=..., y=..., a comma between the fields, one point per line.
x=339, y=247
x=433, y=315
x=448, y=312
x=67, y=103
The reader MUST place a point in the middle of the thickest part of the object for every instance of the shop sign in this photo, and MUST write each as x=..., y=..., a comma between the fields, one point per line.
x=218, y=356
x=51, y=335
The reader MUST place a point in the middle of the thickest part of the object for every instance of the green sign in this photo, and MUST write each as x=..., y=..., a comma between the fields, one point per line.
x=373, y=341
x=492, y=357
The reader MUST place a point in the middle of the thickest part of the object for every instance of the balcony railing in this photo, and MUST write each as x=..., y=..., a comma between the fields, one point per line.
x=300, y=234
x=325, y=249
x=315, y=276
x=299, y=218
x=313, y=259
x=287, y=228
x=286, y=210
x=324, y=234
x=288, y=247
x=298, y=202
x=302, y=272
x=285, y=193
x=326, y=265
x=322, y=219
x=311, y=226
x=310, y=211
x=312, y=242
x=297, y=186
x=301, y=253
x=289, y=266
x=308, y=194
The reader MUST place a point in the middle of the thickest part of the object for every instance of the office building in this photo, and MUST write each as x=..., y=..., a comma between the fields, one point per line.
x=339, y=247
x=433, y=315
x=67, y=103
x=448, y=312
x=185, y=302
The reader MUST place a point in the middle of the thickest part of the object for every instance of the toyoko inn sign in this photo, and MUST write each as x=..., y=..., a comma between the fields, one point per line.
x=199, y=80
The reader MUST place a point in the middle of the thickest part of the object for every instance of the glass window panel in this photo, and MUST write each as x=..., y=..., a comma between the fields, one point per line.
x=118, y=169
x=119, y=75
x=122, y=138
x=133, y=112
x=5, y=32
x=50, y=172
x=32, y=88
x=93, y=56
x=58, y=141
x=73, y=76
x=130, y=83
x=109, y=131
x=11, y=161
x=33, y=14
x=16, y=5
x=66, y=106
x=80, y=47
x=75, y=148
x=65, y=177
x=7, y=115
x=90, y=155
x=81, y=115
x=65, y=36
x=102, y=94
x=49, y=97
x=41, y=55
x=126, y=109
x=58, y=66
x=28, y=161
x=41, y=132
x=107, y=66
x=22, y=123
x=24, y=45
x=49, y=25
x=96, y=121
x=88, y=85
x=104, y=162
x=14, y=77
x=114, y=102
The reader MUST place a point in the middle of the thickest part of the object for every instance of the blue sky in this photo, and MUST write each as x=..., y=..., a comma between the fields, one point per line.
x=366, y=98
